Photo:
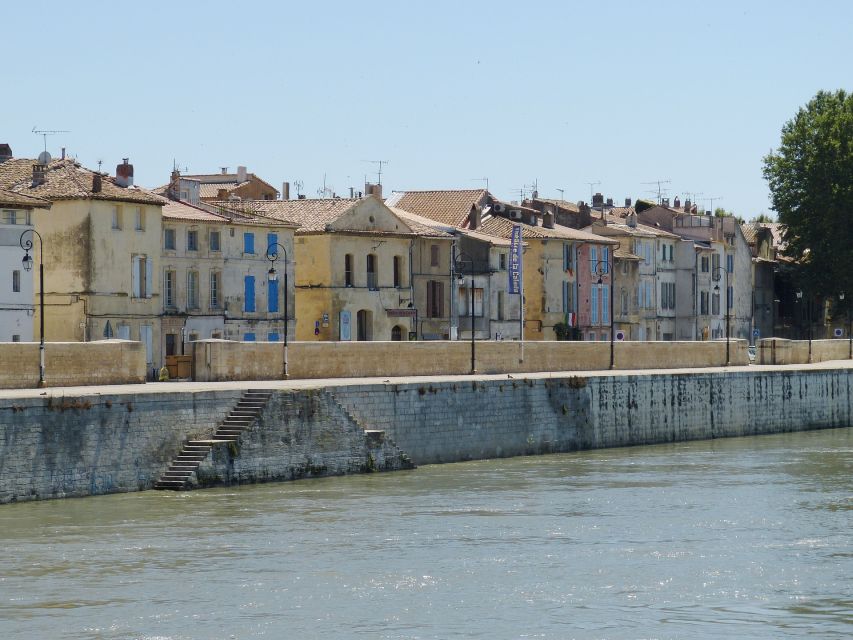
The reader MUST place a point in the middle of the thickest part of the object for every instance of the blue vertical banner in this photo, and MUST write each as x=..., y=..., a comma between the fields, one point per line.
x=515, y=261
x=346, y=325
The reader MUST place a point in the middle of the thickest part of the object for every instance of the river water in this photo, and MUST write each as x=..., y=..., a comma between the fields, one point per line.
x=736, y=538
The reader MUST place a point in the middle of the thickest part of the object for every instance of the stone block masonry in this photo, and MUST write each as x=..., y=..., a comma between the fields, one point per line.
x=92, y=444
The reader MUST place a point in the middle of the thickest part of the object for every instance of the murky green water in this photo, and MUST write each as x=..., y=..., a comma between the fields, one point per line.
x=740, y=538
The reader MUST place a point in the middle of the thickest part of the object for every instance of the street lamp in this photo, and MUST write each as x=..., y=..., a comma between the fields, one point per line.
x=459, y=267
x=602, y=267
x=27, y=262
x=716, y=272
x=272, y=276
x=809, y=317
x=849, y=337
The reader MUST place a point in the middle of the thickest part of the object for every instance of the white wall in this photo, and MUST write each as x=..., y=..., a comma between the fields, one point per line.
x=16, y=309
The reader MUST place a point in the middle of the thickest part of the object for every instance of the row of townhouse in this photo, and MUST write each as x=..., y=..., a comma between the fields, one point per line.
x=192, y=260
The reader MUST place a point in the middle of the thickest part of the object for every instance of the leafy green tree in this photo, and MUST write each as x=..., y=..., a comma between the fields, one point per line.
x=811, y=187
x=763, y=217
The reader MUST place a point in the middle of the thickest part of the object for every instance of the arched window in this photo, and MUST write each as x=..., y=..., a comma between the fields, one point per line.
x=397, y=333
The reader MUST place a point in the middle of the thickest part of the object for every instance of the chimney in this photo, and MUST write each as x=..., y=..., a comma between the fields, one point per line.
x=610, y=202
x=5, y=152
x=63, y=153
x=535, y=194
x=124, y=174
x=285, y=191
x=597, y=201
x=474, y=217
x=373, y=190
x=174, y=192
x=677, y=203
x=631, y=220
x=38, y=174
x=687, y=205
x=548, y=217
x=224, y=170
x=222, y=194
x=241, y=174
x=351, y=193
x=96, y=182
x=627, y=202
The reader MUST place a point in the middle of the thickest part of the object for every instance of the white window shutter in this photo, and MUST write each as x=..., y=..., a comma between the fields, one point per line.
x=149, y=276
x=134, y=276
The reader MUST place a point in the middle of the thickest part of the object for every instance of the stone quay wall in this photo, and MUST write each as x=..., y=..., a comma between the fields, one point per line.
x=92, y=444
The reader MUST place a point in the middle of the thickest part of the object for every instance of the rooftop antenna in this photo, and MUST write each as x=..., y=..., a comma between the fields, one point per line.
x=379, y=163
x=591, y=185
x=100, y=162
x=711, y=200
x=660, y=191
x=486, y=180
x=297, y=185
x=562, y=191
x=45, y=133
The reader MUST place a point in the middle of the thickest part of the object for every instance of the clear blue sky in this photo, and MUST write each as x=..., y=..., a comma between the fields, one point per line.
x=560, y=92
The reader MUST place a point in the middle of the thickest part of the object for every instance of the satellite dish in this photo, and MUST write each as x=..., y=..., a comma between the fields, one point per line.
x=44, y=157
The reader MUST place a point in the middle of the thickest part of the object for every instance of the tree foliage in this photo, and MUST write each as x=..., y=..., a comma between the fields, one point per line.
x=811, y=187
x=761, y=218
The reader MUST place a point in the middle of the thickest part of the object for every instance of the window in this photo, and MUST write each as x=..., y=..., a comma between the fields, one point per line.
x=139, y=218
x=215, y=287
x=568, y=297
x=465, y=302
x=169, y=239
x=398, y=262
x=703, y=303
x=671, y=247
x=433, y=255
x=715, y=304
x=272, y=337
x=730, y=263
x=193, y=337
x=116, y=214
x=272, y=242
x=667, y=295
x=593, y=259
x=249, y=293
x=705, y=264
x=715, y=262
x=372, y=275
x=16, y=281
x=605, y=259
x=248, y=337
x=272, y=296
x=605, y=305
x=171, y=344
x=348, y=270
x=16, y=337
x=11, y=216
x=435, y=299
x=501, y=305
x=169, y=289
x=568, y=257
x=502, y=261
x=215, y=241
x=623, y=302
x=396, y=333
x=192, y=240
x=729, y=297
x=192, y=290
x=249, y=243
x=140, y=276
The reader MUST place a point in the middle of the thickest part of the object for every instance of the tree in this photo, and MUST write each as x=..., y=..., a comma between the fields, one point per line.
x=811, y=187
x=761, y=218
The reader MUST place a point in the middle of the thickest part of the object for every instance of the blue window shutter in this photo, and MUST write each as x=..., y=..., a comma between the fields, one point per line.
x=272, y=296
x=272, y=239
x=248, y=337
x=605, y=257
x=272, y=337
x=565, y=257
x=249, y=293
x=594, y=305
x=593, y=259
x=565, y=297
x=605, y=305
x=248, y=242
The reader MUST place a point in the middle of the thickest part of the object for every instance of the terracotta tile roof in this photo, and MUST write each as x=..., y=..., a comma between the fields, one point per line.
x=625, y=255
x=448, y=206
x=423, y=226
x=68, y=180
x=565, y=205
x=750, y=231
x=499, y=226
x=641, y=230
x=12, y=199
x=188, y=213
x=212, y=182
x=211, y=189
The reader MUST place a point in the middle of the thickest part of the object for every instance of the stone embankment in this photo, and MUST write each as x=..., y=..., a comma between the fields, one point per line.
x=94, y=443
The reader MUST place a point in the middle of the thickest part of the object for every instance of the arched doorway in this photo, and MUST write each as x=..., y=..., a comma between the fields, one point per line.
x=397, y=333
x=364, y=325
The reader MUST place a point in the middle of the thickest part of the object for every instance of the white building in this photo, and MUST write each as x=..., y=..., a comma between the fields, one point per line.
x=16, y=284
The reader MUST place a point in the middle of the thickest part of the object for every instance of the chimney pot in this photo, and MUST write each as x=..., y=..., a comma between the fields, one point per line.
x=241, y=174
x=627, y=202
x=96, y=183
x=5, y=152
x=124, y=174
x=224, y=170
x=38, y=174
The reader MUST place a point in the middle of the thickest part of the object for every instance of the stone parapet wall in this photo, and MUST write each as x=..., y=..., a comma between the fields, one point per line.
x=72, y=363
x=782, y=351
x=224, y=360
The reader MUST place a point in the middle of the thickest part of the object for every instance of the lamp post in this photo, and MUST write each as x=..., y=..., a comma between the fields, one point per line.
x=809, y=319
x=272, y=276
x=716, y=272
x=849, y=327
x=459, y=266
x=27, y=262
x=602, y=267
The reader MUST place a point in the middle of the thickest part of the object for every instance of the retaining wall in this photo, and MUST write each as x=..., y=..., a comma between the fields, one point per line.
x=782, y=351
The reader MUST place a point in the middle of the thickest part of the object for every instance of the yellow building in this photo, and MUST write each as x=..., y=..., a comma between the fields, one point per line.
x=356, y=267
x=214, y=270
x=101, y=251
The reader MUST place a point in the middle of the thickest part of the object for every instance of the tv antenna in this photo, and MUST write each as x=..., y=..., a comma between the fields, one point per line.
x=591, y=185
x=379, y=172
x=297, y=185
x=44, y=133
x=486, y=180
x=562, y=191
x=660, y=190
x=711, y=200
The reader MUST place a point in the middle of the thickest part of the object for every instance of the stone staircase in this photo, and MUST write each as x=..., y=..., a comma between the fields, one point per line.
x=194, y=452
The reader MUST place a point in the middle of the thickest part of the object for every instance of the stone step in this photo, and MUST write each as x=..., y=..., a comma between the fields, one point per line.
x=176, y=475
x=190, y=457
x=229, y=433
x=175, y=485
x=238, y=420
x=245, y=411
x=183, y=466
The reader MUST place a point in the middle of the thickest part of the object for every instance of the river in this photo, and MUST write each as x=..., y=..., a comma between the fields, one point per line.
x=736, y=538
